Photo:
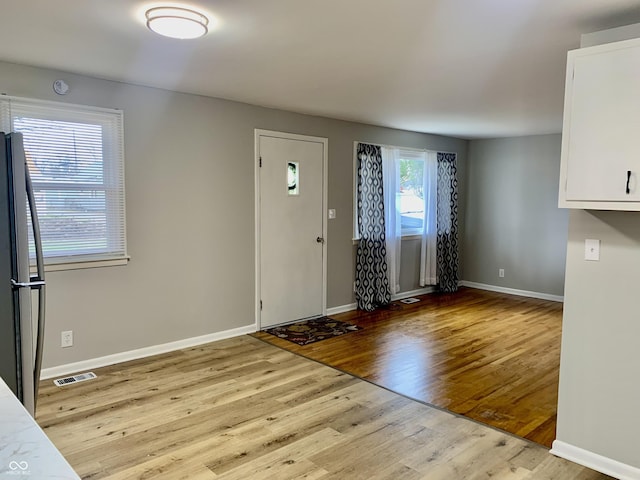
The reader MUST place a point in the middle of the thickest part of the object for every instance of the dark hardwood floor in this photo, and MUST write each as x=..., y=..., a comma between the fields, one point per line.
x=488, y=356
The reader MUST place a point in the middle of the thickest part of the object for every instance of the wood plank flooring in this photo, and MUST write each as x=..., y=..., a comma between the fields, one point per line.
x=488, y=356
x=243, y=409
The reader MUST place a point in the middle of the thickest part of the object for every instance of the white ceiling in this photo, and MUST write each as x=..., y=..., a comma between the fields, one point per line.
x=466, y=68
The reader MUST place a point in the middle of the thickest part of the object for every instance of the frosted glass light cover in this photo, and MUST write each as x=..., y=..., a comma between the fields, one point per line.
x=177, y=22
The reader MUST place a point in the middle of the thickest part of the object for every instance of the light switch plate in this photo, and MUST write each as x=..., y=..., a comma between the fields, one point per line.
x=592, y=249
x=332, y=213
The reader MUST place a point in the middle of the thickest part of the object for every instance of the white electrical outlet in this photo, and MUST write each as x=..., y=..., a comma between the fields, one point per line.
x=66, y=339
x=501, y=273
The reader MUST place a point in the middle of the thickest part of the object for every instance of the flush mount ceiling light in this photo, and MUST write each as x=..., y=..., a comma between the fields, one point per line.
x=176, y=22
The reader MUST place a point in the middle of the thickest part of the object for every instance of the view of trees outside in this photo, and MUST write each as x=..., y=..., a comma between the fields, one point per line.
x=410, y=196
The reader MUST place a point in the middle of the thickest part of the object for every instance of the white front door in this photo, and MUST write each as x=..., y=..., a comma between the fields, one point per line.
x=291, y=226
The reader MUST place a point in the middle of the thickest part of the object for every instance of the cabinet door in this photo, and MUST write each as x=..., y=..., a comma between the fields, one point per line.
x=604, y=124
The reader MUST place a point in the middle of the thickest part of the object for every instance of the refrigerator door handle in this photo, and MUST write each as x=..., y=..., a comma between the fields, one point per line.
x=39, y=342
x=37, y=282
x=34, y=283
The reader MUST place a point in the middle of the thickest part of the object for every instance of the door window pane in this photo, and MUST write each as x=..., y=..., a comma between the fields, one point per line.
x=293, y=178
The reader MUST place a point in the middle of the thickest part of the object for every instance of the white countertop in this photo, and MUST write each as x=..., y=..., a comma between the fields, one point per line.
x=25, y=451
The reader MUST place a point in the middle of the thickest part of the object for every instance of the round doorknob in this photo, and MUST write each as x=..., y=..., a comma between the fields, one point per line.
x=320, y=240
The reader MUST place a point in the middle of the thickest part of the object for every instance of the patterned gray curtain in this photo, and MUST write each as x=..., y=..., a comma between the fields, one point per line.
x=447, y=242
x=372, y=284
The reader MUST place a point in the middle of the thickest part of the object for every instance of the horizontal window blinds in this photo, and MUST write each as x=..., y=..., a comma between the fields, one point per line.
x=75, y=156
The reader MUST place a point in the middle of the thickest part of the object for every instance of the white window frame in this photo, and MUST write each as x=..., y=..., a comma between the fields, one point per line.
x=111, y=121
x=406, y=233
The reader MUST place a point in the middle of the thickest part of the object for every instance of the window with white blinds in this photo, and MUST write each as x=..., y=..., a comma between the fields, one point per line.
x=75, y=156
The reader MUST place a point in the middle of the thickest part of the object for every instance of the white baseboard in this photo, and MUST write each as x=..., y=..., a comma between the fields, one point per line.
x=62, y=370
x=595, y=461
x=511, y=291
x=342, y=308
x=398, y=296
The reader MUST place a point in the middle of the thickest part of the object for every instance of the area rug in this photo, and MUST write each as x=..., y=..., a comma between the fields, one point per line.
x=314, y=330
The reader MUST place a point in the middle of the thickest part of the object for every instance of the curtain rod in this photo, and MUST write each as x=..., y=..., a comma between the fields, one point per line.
x=356, y=142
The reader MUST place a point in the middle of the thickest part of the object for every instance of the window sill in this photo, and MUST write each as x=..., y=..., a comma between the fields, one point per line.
x=81, y=265
x=355, y=241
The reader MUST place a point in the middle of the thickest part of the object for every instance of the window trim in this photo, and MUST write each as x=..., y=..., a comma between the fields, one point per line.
x=82, y=265
x=112, y=148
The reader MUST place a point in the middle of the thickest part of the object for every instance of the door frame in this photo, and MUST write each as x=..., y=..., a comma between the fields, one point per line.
x=325, y=177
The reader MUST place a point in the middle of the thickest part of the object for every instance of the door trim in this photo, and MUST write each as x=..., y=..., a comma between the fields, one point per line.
x=325, y=177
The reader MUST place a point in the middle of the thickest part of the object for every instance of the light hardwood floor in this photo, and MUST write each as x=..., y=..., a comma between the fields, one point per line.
x=489, y=356
x=243, y=409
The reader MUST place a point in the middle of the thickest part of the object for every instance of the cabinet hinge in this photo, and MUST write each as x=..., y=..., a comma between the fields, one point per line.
x=260, y=304
x=260, y=162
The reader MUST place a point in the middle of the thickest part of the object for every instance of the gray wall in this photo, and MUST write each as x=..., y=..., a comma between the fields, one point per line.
x=512, y=218
x=599, y=389
x=192, y=249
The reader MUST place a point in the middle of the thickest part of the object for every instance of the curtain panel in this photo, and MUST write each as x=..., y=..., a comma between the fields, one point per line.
x=372, y=284
x=429, y=237
x=447, y=212
x=393, y=222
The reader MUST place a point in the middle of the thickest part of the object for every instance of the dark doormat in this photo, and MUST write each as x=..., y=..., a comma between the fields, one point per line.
x=314, y=330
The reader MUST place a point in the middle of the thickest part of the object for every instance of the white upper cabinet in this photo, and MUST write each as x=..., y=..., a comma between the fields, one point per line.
x=600, y=165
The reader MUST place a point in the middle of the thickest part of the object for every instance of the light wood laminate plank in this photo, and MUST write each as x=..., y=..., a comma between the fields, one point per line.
x=243, y=409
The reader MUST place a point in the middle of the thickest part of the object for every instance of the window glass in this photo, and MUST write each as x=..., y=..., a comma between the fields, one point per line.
x=410, y=195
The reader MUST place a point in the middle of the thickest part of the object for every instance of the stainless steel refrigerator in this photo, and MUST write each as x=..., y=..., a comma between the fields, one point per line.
x=21, y=332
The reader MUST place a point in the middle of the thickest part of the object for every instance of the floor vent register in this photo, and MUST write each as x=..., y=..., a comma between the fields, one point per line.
x=410, y=300
x=61, y=382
